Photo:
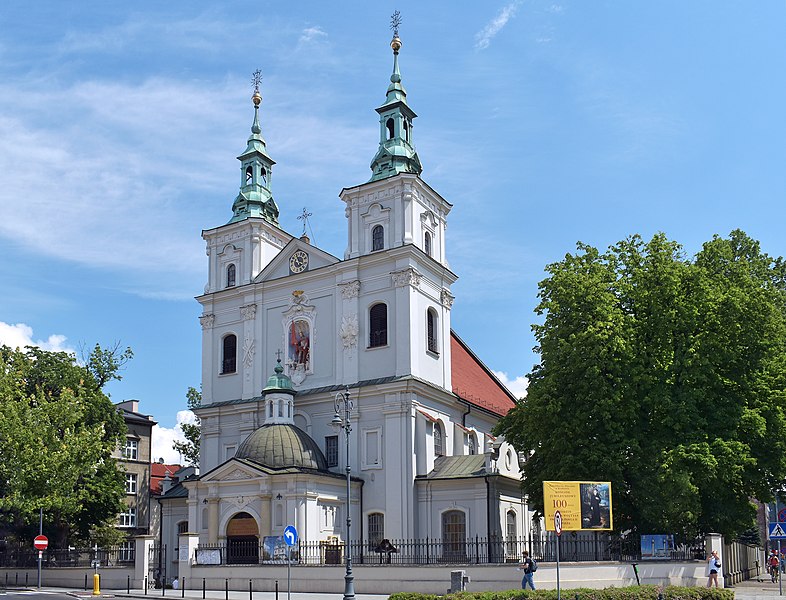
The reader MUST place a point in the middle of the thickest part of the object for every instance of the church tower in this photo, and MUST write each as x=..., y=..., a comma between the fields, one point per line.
x=239, y=250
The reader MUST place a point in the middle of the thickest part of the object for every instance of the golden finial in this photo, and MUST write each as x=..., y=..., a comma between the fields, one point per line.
x=256, y=79
x=395, y=21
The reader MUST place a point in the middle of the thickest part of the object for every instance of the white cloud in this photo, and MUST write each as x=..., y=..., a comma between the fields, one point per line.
x=20, y=335
x=517, y=385
x=484, y=36
x=164, y=437
x=312, y=34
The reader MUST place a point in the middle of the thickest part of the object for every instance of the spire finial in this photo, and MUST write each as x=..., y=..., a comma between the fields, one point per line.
x=395, y=21
x=304, y=217
x=279, y=369
x=256, y=79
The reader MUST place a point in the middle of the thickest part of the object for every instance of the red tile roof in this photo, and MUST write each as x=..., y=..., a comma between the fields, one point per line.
x=159, y=471
x=474, y=382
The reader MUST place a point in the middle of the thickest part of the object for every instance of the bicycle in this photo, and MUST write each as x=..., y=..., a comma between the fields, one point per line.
x=774, y=572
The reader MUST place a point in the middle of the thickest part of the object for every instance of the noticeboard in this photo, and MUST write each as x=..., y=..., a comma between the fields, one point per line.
x=584, y=505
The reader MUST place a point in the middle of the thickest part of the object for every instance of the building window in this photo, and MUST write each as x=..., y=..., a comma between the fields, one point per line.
x=427, y=243
x=510, y=527
x=390, y=127
x=431, y=331
x=128, y=517
x=376, y=529
x=131, y=483
x=231, y=275
x=131, y=451
x=472, y=443
x=249, y=175
x=229, y=354
x=229, y=452
x=378, y=326
x=331, y=450
x=127, y=551
x=377, y=238
x=439, y=440
x=454, y=534
x=371, y=448
x=182, y=527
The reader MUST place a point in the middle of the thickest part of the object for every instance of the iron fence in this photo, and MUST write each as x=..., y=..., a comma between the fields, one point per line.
x=574, y=547
x=21, y=557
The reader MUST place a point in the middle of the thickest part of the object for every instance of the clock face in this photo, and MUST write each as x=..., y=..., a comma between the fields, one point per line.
x=298, y=262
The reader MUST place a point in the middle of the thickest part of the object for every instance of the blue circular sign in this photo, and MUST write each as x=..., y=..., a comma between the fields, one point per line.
x=290, y=535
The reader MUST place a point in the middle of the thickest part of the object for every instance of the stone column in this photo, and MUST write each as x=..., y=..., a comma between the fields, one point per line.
x=714, y=541
x=212, y=520
x=143, y=545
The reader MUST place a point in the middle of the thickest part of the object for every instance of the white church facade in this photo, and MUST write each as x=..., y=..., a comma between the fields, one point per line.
x=286, y=327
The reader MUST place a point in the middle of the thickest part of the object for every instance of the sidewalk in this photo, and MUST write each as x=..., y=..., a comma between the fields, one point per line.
x=758, y=589
x=213, y=595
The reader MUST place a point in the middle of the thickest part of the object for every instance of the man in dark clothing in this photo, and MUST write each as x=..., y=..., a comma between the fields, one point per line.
x=526, y=566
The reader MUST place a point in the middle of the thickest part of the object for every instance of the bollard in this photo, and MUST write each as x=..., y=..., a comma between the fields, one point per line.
x=146, y=584
x=128, y=585
x=250, y=593
x=276, y=589
x=16, y=579
x=183, y=588
x=226, y=589
x=85, y=581
x=203, y=588
x=96, y=584
x=26, y=574
x=636, y=572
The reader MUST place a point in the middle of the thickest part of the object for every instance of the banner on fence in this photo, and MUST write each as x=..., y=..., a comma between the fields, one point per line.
x=584, y=505
x=656, y=546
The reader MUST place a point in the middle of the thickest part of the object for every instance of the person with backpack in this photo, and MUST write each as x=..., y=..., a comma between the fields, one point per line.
x=529, y=566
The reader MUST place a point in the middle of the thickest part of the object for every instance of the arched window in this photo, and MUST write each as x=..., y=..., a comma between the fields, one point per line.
x=431, y=331
x=229, y=354
x=512, y=533
x=390, y=128
x=427, y=243
x=439, y=440
x=406, y=129
x=377, y=238
x=231, y=275
x=249, y=174
x=182, y=527
x=472, y=443
x=376, y=529
x=454, y=534
x=264, y=175
x=378, y=326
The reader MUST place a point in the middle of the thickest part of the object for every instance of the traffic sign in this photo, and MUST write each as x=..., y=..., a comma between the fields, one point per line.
x=558, y=522
x=782, y=515
x=290, y=535
x=40, y=542
x=778, y=531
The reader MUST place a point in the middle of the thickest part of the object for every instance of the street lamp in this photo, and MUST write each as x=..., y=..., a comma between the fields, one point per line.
x=343, y=402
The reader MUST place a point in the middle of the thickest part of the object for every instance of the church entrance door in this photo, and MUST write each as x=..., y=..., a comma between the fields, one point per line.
x=242, y=540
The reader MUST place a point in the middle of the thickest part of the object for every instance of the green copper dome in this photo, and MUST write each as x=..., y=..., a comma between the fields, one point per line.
x=279, y=382
x=281, y=446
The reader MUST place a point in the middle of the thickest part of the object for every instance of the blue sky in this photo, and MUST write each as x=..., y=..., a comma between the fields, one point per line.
x=544, y=123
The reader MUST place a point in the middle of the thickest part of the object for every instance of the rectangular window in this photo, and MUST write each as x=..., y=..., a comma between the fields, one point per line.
x=376, y=530
x=372, y=455
x=128, y=517
x=131, y=483
x=230, y=452
x=182, y=527
x=331, y=450
x=131, y=450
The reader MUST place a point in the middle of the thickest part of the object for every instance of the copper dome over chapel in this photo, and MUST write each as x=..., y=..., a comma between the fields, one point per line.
x=282, y=446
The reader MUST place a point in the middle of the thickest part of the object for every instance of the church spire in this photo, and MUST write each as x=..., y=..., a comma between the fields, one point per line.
x=255, y=198
x=396, y=152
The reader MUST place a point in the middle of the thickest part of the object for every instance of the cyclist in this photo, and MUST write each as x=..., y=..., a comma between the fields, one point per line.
x=774, y=565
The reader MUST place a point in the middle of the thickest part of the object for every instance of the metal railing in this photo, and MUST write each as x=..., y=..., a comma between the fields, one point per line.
x=574, y=547
x=13, y=556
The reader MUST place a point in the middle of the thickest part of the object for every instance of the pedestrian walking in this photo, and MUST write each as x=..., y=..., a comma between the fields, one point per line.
x=529, y=566
x=713, y=567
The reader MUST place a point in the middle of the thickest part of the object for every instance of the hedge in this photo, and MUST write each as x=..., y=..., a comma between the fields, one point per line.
x=637, y=592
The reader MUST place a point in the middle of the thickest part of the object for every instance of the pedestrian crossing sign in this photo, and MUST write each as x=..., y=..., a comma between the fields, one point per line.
x=778, y=531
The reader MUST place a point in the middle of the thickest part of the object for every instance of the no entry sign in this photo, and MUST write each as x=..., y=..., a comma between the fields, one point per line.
x=40, y=542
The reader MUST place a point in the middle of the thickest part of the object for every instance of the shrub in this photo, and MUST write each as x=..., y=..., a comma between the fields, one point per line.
x=638, y=592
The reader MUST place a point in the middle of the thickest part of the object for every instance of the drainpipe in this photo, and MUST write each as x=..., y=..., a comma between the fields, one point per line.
x=160, y=534
x=464, y=416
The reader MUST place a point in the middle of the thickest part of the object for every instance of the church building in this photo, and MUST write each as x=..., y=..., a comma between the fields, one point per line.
x=293, y=335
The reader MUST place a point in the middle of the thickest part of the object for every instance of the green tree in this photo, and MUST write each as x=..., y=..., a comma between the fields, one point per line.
x=57, y=434
x=189, y=449
x=664, y=375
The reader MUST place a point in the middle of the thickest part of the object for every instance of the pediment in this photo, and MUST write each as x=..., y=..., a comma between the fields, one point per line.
x=232, y=470
x=280, y=266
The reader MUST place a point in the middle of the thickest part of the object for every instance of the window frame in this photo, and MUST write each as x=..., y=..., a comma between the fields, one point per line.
x=432, y=339
x=224, y=360
x=127, y=518
x=438, y=435
x=131, y=449
x=377, y=338
x=131, y=482
x=231, y=275
x=377, y=238
x=331, y=453
x=375, y=522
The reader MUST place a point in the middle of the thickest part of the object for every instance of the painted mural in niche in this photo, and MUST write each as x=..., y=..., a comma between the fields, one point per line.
x=299, y=349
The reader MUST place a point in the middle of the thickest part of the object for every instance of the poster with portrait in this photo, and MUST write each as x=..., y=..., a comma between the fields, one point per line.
x=299, y=350
x=583, y=505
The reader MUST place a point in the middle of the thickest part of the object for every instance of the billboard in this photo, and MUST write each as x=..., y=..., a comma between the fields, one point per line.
x=584, y=505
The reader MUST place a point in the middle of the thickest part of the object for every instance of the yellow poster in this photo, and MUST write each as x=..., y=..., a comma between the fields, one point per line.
x=584, y=505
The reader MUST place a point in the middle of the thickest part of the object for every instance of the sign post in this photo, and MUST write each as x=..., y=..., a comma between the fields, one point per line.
x=40, y=543
x=558, y=531
x=290, y=537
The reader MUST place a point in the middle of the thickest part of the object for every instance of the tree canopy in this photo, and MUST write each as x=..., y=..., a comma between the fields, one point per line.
x=189, y=448
x=663, y=374
x=57, y=434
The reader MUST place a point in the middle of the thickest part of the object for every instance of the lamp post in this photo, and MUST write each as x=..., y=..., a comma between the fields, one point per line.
x=345, y=403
